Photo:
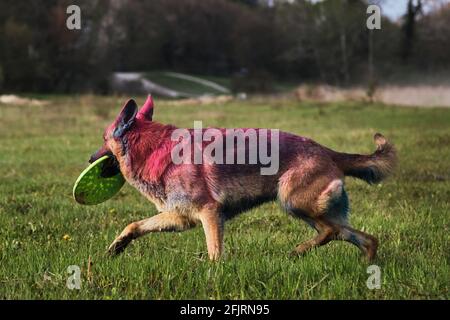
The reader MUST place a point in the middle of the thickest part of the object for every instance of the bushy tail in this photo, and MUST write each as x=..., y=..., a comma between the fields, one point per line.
x=371, y=168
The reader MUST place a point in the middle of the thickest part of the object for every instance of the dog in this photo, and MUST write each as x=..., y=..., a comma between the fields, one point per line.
x=309, y=183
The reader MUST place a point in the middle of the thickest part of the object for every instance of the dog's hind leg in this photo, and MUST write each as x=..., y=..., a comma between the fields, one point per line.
x=166, y=221
x=367, y=243
x=336, y=214
x=326, y=233
x=310, y=196
x=333, y=223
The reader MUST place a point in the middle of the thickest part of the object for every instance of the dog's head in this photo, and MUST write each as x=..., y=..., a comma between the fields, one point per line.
x=117, y=131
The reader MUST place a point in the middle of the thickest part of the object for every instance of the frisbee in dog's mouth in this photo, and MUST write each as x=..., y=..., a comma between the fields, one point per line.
x=99, y=182
x=110, y=167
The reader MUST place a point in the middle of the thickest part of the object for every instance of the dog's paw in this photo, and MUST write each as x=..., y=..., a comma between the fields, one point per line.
x=300, y=250
x=119, y=245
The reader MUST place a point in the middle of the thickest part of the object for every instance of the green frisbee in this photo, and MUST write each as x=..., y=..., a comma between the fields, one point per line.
x=98, y=182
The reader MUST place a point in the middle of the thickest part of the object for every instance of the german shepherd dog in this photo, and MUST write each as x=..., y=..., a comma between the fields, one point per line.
x=309, y=183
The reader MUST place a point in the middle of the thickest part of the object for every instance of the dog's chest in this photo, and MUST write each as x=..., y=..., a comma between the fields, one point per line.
x=153, y=191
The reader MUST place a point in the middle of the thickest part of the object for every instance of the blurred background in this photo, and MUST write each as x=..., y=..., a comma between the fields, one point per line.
x=189, y=48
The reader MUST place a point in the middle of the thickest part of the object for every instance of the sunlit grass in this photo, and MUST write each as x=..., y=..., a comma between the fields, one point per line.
x=43, y=231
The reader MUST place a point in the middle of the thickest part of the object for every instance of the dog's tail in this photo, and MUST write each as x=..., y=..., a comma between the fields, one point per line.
x=371, y=168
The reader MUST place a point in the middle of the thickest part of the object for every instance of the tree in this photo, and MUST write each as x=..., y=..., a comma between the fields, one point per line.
x=409, y=26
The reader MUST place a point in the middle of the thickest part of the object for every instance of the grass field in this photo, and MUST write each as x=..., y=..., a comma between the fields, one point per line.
x=43, y=231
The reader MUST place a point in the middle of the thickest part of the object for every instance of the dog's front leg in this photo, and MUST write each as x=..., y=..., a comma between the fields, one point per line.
x=166, y=221
x=212, y=223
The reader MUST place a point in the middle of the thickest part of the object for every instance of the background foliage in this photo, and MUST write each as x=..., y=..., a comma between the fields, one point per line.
x=298, y=40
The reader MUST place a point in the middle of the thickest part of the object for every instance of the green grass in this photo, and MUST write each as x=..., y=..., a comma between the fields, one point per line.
x=43, y=150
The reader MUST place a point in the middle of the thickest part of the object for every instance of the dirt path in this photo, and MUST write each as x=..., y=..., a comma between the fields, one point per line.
x=137, y=79
x=409, y=96
x=125, y=79
x=204, y=82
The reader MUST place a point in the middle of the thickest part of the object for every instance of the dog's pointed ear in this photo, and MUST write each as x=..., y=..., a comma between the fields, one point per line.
x=126, y=118
x=146, y=111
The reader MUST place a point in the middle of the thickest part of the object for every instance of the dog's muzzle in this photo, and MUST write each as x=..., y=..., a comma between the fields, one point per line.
x=100, y=153
x=110, y=167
